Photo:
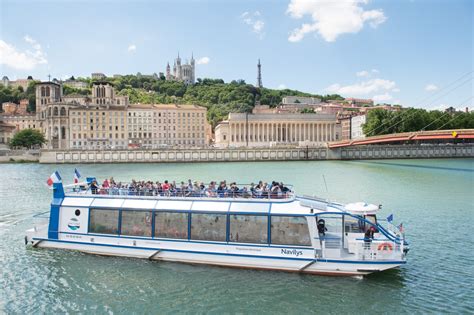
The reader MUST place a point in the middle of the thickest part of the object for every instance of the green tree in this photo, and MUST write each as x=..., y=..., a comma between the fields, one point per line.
x=27, y=138
x=307, y=110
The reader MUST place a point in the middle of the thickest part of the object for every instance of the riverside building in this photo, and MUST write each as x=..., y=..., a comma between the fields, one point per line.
x=165, y=125
x=104, y=120
x=270, y=129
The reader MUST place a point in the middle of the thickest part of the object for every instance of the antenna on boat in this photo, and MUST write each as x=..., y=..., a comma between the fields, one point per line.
x=326, y=185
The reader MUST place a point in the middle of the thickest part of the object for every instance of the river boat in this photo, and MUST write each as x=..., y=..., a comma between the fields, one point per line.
x=284, y=232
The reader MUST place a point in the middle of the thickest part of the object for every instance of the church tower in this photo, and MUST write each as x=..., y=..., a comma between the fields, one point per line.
x=179, y=72
x=259, y=75
x=193, y=69
x=168, y=71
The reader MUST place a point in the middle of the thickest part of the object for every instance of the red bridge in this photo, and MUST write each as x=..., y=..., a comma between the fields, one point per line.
x=423, y=136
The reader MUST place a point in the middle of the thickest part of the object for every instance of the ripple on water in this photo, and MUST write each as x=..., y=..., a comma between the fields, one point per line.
x=437, y=278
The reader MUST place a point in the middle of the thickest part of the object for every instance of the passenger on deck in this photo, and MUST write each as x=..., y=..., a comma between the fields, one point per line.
x=211, y=190
x=321, y=230
x=369, y=236
x=94, y=187
x=234, y=189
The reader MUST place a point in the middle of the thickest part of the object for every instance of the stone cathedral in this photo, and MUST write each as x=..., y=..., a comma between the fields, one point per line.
x=184, y=72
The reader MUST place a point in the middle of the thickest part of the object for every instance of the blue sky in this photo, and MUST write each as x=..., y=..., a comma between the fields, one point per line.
x=404, y=51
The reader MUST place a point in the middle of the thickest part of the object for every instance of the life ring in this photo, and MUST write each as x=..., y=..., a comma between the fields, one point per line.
x=385, y=246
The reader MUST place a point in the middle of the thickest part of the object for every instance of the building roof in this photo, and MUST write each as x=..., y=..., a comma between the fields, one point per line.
x=47, y=82
x=281, y=117
x=165, y=106
x=102, y=82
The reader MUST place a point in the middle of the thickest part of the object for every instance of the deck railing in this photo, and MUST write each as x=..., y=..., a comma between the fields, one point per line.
x=181, y=193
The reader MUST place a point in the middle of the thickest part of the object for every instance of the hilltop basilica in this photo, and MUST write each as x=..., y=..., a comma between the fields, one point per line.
x=182, y=72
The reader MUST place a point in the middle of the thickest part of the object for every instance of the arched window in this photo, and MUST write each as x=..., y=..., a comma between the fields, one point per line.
x=47, y=91
x=63, y=111
x=42, y=91
x=49, y=111
x=55, y=111
x=63, y=132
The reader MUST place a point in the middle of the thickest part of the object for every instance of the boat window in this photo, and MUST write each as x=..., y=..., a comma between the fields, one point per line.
x=136, y=223
x=103, y=221
x=372, y=219
x=248, y=229
x=208, y=227
x=171, y=225
x=333, y=224
x=290, y=231
x=353, y=225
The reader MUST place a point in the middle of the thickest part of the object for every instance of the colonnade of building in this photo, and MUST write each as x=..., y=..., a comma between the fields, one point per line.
x=281, y=132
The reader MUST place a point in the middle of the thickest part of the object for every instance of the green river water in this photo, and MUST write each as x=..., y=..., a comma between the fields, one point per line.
x=433, y=198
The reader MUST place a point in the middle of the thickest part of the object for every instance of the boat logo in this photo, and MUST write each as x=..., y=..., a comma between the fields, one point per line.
x=293, y=252
x=74, y=224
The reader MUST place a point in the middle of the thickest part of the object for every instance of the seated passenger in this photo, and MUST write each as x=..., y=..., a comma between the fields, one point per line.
x=94, y=187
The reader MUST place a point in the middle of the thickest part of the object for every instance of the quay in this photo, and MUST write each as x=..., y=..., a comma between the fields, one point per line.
x=362, y=152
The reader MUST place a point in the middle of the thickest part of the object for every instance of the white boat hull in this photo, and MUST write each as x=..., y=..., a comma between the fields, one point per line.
x=227, y=255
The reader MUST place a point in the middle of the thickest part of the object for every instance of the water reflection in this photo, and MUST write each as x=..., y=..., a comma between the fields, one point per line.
x=431, y=167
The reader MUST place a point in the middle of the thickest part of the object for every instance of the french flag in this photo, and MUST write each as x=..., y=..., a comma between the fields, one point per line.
x=77, y=175
x=54, y=178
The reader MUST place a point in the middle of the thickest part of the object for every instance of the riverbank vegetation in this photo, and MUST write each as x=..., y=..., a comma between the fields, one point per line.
x=27, y=138
x=381, y=121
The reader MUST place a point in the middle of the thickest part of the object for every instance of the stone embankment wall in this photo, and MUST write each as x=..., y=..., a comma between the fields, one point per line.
x=7, y=156
x=258, y=154
x=406, y=152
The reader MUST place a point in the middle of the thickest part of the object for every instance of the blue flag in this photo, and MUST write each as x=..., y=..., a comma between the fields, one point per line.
x=390, y=218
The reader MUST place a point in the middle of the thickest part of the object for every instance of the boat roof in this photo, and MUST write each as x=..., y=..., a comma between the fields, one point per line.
x=295, y=206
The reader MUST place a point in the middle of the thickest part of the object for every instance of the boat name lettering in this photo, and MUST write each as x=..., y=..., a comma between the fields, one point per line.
x=293, y=252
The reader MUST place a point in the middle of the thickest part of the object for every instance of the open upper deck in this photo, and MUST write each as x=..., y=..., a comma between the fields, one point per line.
x=246, y=192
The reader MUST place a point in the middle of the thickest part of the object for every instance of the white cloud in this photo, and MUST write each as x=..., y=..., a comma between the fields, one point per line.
x=33, y=42
x=431, y=87
x=203, y=61
x=375, y=71
x=132, y=48
x=332, y=18
x=363, y=73
x=22, y=60
x=364, y=88
x=255, y=21
x=281, y=87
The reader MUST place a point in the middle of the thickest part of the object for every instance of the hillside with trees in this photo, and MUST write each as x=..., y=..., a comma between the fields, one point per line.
x=381, y=122
x=218, y=97
x=8, y=94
